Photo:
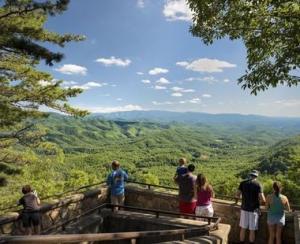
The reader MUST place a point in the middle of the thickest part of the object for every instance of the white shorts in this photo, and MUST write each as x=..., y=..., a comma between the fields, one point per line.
x=249, y=220
x=207, y=211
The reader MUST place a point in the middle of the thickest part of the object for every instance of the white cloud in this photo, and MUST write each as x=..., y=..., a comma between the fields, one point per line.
x=193, y=79
x=226, y=80
x=72, y=69
x=176, y=88
x=207, y=65
x=182, y=63
x=119, y=99
x=114, y=61
x=180, y=89
x=288, y=102
x=177, y=10
x=139, y=73
x=162, y=103
x=188, y=90
x=89, y=85
x=129, y=107
x=140, y=3
x=195, y=100
x=157, y=71
x=146, y=81
x=163, y=80
x=206, y=95
x=208, y=78
x=160, y=87
x=176, y=94
x=69, y=83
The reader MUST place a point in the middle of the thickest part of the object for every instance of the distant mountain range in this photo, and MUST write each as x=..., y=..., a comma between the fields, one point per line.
x=195, y=118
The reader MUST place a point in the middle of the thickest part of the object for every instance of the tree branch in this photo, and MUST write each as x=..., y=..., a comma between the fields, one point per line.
x=14, y=134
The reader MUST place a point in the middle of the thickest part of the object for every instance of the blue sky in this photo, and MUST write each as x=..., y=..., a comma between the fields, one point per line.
x=139, y=55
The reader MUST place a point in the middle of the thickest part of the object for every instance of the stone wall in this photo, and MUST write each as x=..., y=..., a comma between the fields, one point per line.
x=228, y=211
x=56, y=211
x=63, y=209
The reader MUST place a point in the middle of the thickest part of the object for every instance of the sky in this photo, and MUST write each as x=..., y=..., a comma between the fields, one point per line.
x=140, y=55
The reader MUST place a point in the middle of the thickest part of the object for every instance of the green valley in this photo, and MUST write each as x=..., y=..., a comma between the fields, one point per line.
x=75, y=152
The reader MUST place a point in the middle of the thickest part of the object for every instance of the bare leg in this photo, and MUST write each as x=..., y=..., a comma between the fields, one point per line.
x=27, y=231
x=278, y=233
x=242, y=234
x=271, y=234
x=252, y=236
x=37, y=229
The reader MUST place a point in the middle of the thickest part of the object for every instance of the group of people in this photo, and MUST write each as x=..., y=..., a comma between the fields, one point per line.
x=195, y=197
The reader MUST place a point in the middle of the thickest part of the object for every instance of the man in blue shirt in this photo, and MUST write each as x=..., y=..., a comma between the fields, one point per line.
x=116, y=182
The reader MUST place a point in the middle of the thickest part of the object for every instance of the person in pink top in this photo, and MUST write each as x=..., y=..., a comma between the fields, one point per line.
x=204, y=194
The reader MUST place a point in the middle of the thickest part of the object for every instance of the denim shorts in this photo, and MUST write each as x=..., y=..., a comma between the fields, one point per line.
x=276, y=219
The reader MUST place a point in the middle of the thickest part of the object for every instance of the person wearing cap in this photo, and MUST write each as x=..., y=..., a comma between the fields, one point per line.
x=252, y=193
x=116, y=182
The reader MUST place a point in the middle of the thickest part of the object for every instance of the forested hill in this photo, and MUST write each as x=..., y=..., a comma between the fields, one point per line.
x=76, y=152
x=196, y=117
x=282, y=156
x=94, y=131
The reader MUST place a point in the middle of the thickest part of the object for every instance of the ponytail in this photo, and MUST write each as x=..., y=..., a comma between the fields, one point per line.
x=277, y=188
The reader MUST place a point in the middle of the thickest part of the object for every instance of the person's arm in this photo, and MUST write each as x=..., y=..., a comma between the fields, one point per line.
x=21, y=201
x=195, y=191
x=125, y=175
x=262, y=198
x=108, y=180
x=268, y=201
x=287, y=205
x=38, y=201
x=238, y=195
x=212, y=192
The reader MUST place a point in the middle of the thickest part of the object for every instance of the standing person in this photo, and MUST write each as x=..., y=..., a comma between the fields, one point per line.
x=181, y=169
x=204, y=194
x=252, y=193
x=187, y=198
x=30, y=214
x=116, y=182
x=276, y=203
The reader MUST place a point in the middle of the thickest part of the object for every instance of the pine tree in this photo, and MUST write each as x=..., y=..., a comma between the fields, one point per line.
x=23, y=88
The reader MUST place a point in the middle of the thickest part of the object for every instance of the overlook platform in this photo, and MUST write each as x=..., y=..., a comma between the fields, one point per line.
x=150, y=216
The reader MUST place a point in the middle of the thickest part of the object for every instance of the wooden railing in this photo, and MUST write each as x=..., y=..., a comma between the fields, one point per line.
x=71, y=238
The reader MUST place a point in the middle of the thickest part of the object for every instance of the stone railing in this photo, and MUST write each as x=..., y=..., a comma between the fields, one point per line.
x=61, y=210
x=57, y=211
x=227, y=210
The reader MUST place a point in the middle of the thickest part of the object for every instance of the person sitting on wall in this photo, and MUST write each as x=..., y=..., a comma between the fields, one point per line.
x=276, y=203
x=30, y=214
x=187, y=197
x=116, y=182
x=204, y=194
x=181, y=169
x=252, y=194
